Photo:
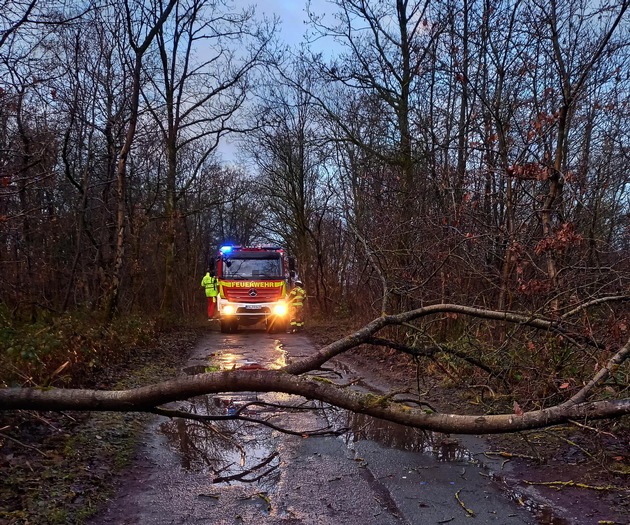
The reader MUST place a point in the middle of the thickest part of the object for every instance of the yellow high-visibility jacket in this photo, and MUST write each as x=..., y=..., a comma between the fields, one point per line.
x=211, y=284
x=297, y=296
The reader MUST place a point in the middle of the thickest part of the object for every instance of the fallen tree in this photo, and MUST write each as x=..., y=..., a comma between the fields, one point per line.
x=297, y=378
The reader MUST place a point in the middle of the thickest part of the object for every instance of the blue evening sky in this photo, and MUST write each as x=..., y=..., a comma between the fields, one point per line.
x=292, y=14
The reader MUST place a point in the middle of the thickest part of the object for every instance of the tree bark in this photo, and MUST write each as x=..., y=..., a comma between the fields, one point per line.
x=144, y=399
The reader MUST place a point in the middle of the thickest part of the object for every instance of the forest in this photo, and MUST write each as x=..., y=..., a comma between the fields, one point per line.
x=452, y=175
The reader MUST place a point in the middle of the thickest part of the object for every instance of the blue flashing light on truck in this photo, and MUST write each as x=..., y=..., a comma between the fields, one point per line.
x=253, y=286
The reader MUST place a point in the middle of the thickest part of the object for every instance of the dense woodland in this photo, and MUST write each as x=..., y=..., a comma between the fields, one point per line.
x=409, y=153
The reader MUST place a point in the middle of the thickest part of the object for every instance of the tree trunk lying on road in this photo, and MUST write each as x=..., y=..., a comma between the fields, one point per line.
x=293, y=380
x=144, y=399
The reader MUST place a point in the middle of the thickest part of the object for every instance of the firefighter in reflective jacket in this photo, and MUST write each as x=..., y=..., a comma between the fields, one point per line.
x=297, y=296
x=211, y=285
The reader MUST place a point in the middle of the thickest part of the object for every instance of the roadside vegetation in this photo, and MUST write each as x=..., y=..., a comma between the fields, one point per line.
x=60, y=467
x=68, y=350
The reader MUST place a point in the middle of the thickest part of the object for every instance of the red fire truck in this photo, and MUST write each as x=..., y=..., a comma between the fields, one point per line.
x=253, y=284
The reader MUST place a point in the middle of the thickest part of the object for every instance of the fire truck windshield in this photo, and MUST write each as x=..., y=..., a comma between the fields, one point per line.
x=237, y=268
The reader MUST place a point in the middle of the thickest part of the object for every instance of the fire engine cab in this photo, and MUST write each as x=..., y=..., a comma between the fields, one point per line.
x=253, y=285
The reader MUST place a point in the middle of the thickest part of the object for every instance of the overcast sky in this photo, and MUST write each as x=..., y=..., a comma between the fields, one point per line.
x=292, y=15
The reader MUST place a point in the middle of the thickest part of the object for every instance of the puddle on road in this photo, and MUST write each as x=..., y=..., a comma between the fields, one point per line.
x=232, y=359
x=230, y=451
x=238, y=451
x=400, y=437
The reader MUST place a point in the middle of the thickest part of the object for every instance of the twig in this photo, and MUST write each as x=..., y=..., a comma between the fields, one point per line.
x=508, y=455
x=275, y=405
x=241, y=475
x=429, y=351
x=613, y=364
x=597, y=430
x=23, y=444
x=597, y=301
x=468, y=511
x=259, y=477
x=333, y=371
x=531, y=446
x=416, y=360
x=303, y=433
x=492, y=392
x=205, y=418
x=559, y=484
x=417, y=402
x=390, y=395
x=351, y=382
x=45, y=421
x=574, y=444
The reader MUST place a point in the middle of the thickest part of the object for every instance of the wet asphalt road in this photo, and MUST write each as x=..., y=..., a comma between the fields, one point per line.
x=237, y=472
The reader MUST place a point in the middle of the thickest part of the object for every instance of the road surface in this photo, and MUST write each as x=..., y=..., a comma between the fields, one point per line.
x=237, y=472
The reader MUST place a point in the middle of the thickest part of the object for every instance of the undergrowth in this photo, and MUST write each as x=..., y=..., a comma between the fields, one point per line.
x=67, y=350
x=58, y=468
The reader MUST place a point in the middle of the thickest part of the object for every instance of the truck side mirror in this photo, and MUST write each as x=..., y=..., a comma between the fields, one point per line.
x=292, y=264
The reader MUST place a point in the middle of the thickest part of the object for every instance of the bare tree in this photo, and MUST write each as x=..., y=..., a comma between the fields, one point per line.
x=288, y=148
x=577, y=52
x=207, y=54
x=375, y=99
x=139, y=39
x=14, y=15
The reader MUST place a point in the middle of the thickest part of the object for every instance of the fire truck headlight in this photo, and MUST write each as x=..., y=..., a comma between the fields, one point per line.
x=228, y=309
x=280, y=309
